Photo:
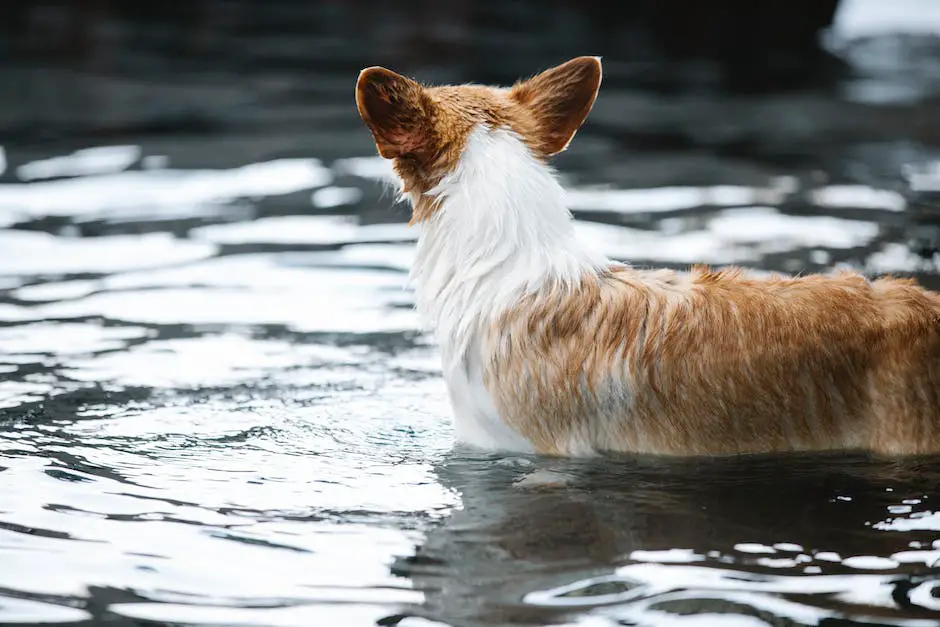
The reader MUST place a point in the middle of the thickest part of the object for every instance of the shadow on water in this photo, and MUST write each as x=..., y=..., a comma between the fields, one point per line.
x=812, y=540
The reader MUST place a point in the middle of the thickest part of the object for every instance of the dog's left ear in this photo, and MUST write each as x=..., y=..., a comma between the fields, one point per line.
x=395, y=108
x=560, y=98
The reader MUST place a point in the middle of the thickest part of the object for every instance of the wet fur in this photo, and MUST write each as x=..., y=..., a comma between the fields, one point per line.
x=716, y=362
x=550, y=347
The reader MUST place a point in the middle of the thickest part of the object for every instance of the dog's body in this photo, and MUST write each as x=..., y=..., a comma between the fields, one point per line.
x=552, y=348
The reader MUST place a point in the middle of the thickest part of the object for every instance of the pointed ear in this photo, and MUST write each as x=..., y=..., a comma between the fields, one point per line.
x=394, y=108
x=560, y=98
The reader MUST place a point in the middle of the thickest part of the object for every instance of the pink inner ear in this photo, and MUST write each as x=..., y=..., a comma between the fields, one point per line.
x=390, y=105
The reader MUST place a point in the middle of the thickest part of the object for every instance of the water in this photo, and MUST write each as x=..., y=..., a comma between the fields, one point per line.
x=218, y=414
x=217, y=406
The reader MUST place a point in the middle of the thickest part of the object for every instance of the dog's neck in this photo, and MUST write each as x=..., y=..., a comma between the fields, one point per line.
x=501, y=229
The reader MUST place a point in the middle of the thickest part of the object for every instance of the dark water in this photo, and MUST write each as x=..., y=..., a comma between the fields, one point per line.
x=217, y=406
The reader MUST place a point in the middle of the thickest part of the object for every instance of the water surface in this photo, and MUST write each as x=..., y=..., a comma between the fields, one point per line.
x=214, y=414
x=217, y=406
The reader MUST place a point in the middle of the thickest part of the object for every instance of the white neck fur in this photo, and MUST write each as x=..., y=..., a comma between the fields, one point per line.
x=502, y=230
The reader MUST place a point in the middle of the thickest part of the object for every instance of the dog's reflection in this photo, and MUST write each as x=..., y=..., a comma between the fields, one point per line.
x=530, y=525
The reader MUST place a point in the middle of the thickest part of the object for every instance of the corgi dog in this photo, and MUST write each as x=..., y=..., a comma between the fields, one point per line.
x=549, y=347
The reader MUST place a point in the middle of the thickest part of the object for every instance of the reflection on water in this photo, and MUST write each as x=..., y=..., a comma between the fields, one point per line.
x=217, y=406
x=780, y=541
x=150, y=192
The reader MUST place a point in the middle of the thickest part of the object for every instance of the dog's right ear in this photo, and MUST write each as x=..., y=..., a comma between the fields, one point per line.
x=395, y=108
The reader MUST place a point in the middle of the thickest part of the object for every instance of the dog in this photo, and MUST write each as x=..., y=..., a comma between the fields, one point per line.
x=549, y=347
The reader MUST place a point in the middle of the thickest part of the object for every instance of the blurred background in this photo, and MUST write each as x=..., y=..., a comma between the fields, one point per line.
x=208, y=354
x=829, y=104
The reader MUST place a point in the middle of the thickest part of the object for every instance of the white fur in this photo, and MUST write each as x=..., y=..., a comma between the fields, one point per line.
x=503, y=229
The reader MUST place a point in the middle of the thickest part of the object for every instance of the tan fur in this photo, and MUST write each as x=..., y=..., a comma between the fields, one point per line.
x=659, y=362
x=720, y=363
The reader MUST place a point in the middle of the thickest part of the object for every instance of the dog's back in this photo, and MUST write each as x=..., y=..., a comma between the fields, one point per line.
x=716, y=362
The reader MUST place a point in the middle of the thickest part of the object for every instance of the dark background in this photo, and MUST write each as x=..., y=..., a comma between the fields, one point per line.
x=111, y=66
x=695, y=93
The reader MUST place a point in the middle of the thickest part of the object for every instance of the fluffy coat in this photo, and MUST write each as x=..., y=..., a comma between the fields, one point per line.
x=549, y=347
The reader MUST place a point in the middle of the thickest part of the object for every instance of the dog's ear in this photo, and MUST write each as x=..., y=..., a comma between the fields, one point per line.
x=560, y=99
x=395, y=108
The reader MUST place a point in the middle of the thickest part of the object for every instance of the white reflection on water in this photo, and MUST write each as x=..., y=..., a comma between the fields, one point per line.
x=920, y=520
x=209, y=360
x=159, y=193
x=58, y=290
x=24, y=611
x=261, y=271
x=866, y=18
x=661, y=587
x=895, y=257
x=13, y=313
x=348, y=610
x=85, y=162
x=330, y=197
x=397, y=257
x=37, y=253
x=730, y=236
x=374, y=168
x=650, y=591
x=17, y=393
x=65, y=338
x=347, y=311
x=924, y=177
x=772, y=231
x=660, y=199
x=304, y=230
x=858, y=197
